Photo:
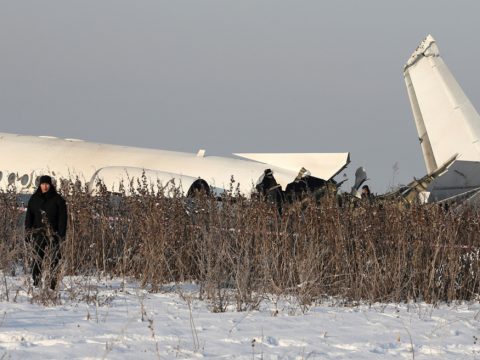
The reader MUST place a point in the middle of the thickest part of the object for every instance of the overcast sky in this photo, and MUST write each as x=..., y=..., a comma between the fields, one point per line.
x=231, y=76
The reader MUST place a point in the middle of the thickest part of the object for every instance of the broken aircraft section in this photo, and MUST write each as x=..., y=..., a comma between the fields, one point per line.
x=447, y=123
x=448, y=126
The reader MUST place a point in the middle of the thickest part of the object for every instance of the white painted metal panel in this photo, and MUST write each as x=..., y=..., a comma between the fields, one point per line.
x=321, y=165
x=446, y=120
x=120, y=176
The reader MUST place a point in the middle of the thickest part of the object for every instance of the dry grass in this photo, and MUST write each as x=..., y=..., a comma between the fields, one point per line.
x=240, y=250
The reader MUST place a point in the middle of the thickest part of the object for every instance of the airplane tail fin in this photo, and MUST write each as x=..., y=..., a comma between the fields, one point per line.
x=446, y=121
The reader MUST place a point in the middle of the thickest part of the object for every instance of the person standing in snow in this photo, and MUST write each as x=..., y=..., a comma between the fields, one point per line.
x=46, y=227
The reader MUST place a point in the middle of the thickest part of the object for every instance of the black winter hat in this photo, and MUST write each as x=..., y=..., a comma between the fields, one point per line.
x=45, y=179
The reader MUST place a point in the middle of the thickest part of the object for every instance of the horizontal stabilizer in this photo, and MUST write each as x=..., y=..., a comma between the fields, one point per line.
x=321, y=165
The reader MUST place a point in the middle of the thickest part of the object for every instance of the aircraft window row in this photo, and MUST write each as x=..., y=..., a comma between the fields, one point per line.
x=12, y=177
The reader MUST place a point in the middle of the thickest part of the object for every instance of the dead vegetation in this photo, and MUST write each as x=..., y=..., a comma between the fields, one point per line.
x=240, y=250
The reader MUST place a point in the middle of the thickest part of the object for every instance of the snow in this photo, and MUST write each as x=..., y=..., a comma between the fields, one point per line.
x=109, y=319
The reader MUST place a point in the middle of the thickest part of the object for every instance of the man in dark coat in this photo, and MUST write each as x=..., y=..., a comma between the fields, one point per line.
x=46, y=226
x=366, y=193
x=270, y=189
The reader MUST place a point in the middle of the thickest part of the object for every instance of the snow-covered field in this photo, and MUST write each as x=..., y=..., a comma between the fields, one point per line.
x=124, y=322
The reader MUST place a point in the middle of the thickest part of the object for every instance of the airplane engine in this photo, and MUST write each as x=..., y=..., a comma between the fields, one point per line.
x=116, y=178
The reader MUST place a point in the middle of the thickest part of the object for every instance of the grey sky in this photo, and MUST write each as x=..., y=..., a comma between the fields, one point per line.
x=231, y=76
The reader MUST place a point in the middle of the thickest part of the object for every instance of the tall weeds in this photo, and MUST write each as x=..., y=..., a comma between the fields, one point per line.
x=241, y=249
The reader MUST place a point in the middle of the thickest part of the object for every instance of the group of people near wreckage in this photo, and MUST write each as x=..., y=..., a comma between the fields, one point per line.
x=303, y=184
x=46, y=225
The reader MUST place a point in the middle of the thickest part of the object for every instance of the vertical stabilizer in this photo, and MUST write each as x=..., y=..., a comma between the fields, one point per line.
x=446, y=121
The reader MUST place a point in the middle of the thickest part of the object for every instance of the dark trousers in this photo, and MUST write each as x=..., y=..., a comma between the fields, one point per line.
x=46, y=253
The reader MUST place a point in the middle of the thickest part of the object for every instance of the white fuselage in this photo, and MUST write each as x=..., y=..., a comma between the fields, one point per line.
x=26, y=157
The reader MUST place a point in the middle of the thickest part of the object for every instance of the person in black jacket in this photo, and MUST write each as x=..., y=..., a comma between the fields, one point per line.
x=366, y=193
x=46, y=227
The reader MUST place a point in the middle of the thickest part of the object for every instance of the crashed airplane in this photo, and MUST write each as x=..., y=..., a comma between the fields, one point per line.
x=448, y=127
x=447, y=123
x=114, y=164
